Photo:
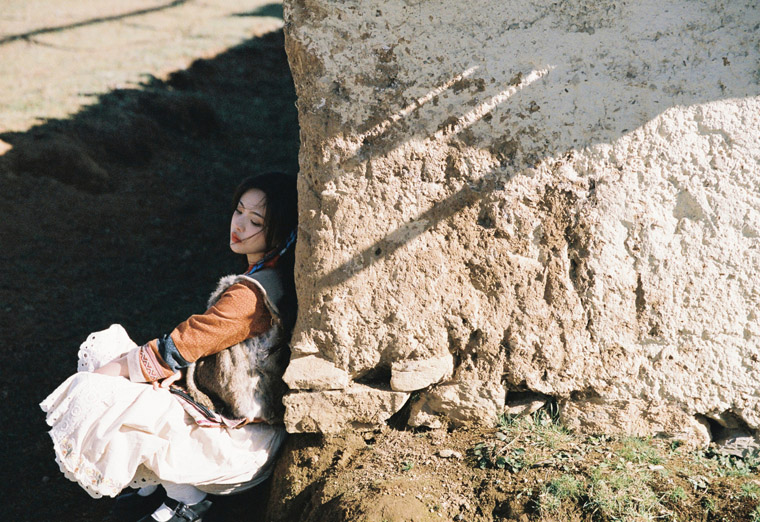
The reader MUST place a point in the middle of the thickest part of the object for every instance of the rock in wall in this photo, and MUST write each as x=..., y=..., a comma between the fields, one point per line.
x=529, y=196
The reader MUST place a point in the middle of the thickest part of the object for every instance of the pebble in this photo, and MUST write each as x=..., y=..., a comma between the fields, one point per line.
x=449, y=453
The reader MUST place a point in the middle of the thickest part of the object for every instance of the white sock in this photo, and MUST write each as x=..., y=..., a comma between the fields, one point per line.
x=184, y=493
x=147, y=490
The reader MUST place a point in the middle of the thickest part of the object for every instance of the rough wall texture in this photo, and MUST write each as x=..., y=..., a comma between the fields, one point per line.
x=528, y=196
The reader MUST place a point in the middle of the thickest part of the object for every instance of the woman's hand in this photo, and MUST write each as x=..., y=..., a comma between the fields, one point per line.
x=116, y=368
x=168, y=381
x=120, y=368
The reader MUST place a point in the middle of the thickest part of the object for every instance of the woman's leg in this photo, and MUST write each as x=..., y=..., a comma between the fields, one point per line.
x=147, y=491
x=186, y=498
x=184, y=493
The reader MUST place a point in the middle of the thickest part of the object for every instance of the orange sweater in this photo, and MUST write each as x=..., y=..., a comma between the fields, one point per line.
x=239, y=314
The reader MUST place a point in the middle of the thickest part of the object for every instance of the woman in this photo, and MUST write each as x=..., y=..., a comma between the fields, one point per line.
x=199, y=410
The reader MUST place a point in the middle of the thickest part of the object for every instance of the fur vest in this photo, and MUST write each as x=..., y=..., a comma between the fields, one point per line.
x=245, y=380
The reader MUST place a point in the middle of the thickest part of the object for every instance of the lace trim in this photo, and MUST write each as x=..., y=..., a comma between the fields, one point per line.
x=102, y=347
x=78, y=469
x=143, y=477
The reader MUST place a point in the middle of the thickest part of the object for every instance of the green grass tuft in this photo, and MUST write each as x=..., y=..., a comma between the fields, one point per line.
x=639, y=451
x=557, y=491
x=622, y=495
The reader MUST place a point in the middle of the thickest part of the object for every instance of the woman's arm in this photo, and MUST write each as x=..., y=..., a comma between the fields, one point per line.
x=116, y=368
x=120, y=368
x=240, y=313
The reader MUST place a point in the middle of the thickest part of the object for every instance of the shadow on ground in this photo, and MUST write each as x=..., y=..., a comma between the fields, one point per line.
x=120, y=214
x=30, y=35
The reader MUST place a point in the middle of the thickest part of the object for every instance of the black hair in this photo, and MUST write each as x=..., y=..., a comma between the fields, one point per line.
x=281, y=199
x=280, y=219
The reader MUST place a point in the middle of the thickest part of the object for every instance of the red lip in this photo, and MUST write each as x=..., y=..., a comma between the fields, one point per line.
x=234, y=238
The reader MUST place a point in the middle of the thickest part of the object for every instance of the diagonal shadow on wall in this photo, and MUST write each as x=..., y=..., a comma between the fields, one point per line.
x=642, y=94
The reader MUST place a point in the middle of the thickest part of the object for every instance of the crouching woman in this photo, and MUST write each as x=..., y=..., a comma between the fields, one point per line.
x=198, y=411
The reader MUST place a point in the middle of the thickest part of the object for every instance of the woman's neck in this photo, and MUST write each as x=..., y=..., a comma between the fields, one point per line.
x=254, y=258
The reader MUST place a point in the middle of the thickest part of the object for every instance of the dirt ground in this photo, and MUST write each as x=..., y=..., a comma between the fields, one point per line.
x=527, y=469
x=125, y=128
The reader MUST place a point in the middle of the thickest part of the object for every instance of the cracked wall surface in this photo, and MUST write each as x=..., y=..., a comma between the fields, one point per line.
x=529, y=196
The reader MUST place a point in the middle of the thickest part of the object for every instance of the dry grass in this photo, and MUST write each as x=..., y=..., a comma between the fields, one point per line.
x=57, y=57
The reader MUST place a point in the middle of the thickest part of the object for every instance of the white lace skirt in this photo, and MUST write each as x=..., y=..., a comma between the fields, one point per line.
x=110, y=433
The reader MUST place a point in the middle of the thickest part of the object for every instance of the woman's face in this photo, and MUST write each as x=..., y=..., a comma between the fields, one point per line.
x=247, y=232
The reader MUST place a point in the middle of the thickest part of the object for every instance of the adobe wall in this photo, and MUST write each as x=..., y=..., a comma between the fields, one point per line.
x=527, y=196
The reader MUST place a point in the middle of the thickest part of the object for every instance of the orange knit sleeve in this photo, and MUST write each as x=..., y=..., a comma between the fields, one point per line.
x=239, y=314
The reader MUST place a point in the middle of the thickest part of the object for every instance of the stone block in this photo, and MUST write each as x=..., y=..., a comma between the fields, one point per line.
x=331, y=411
x=458, y=403
x=418, y=374
x=314, y=373
x=634, y=417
